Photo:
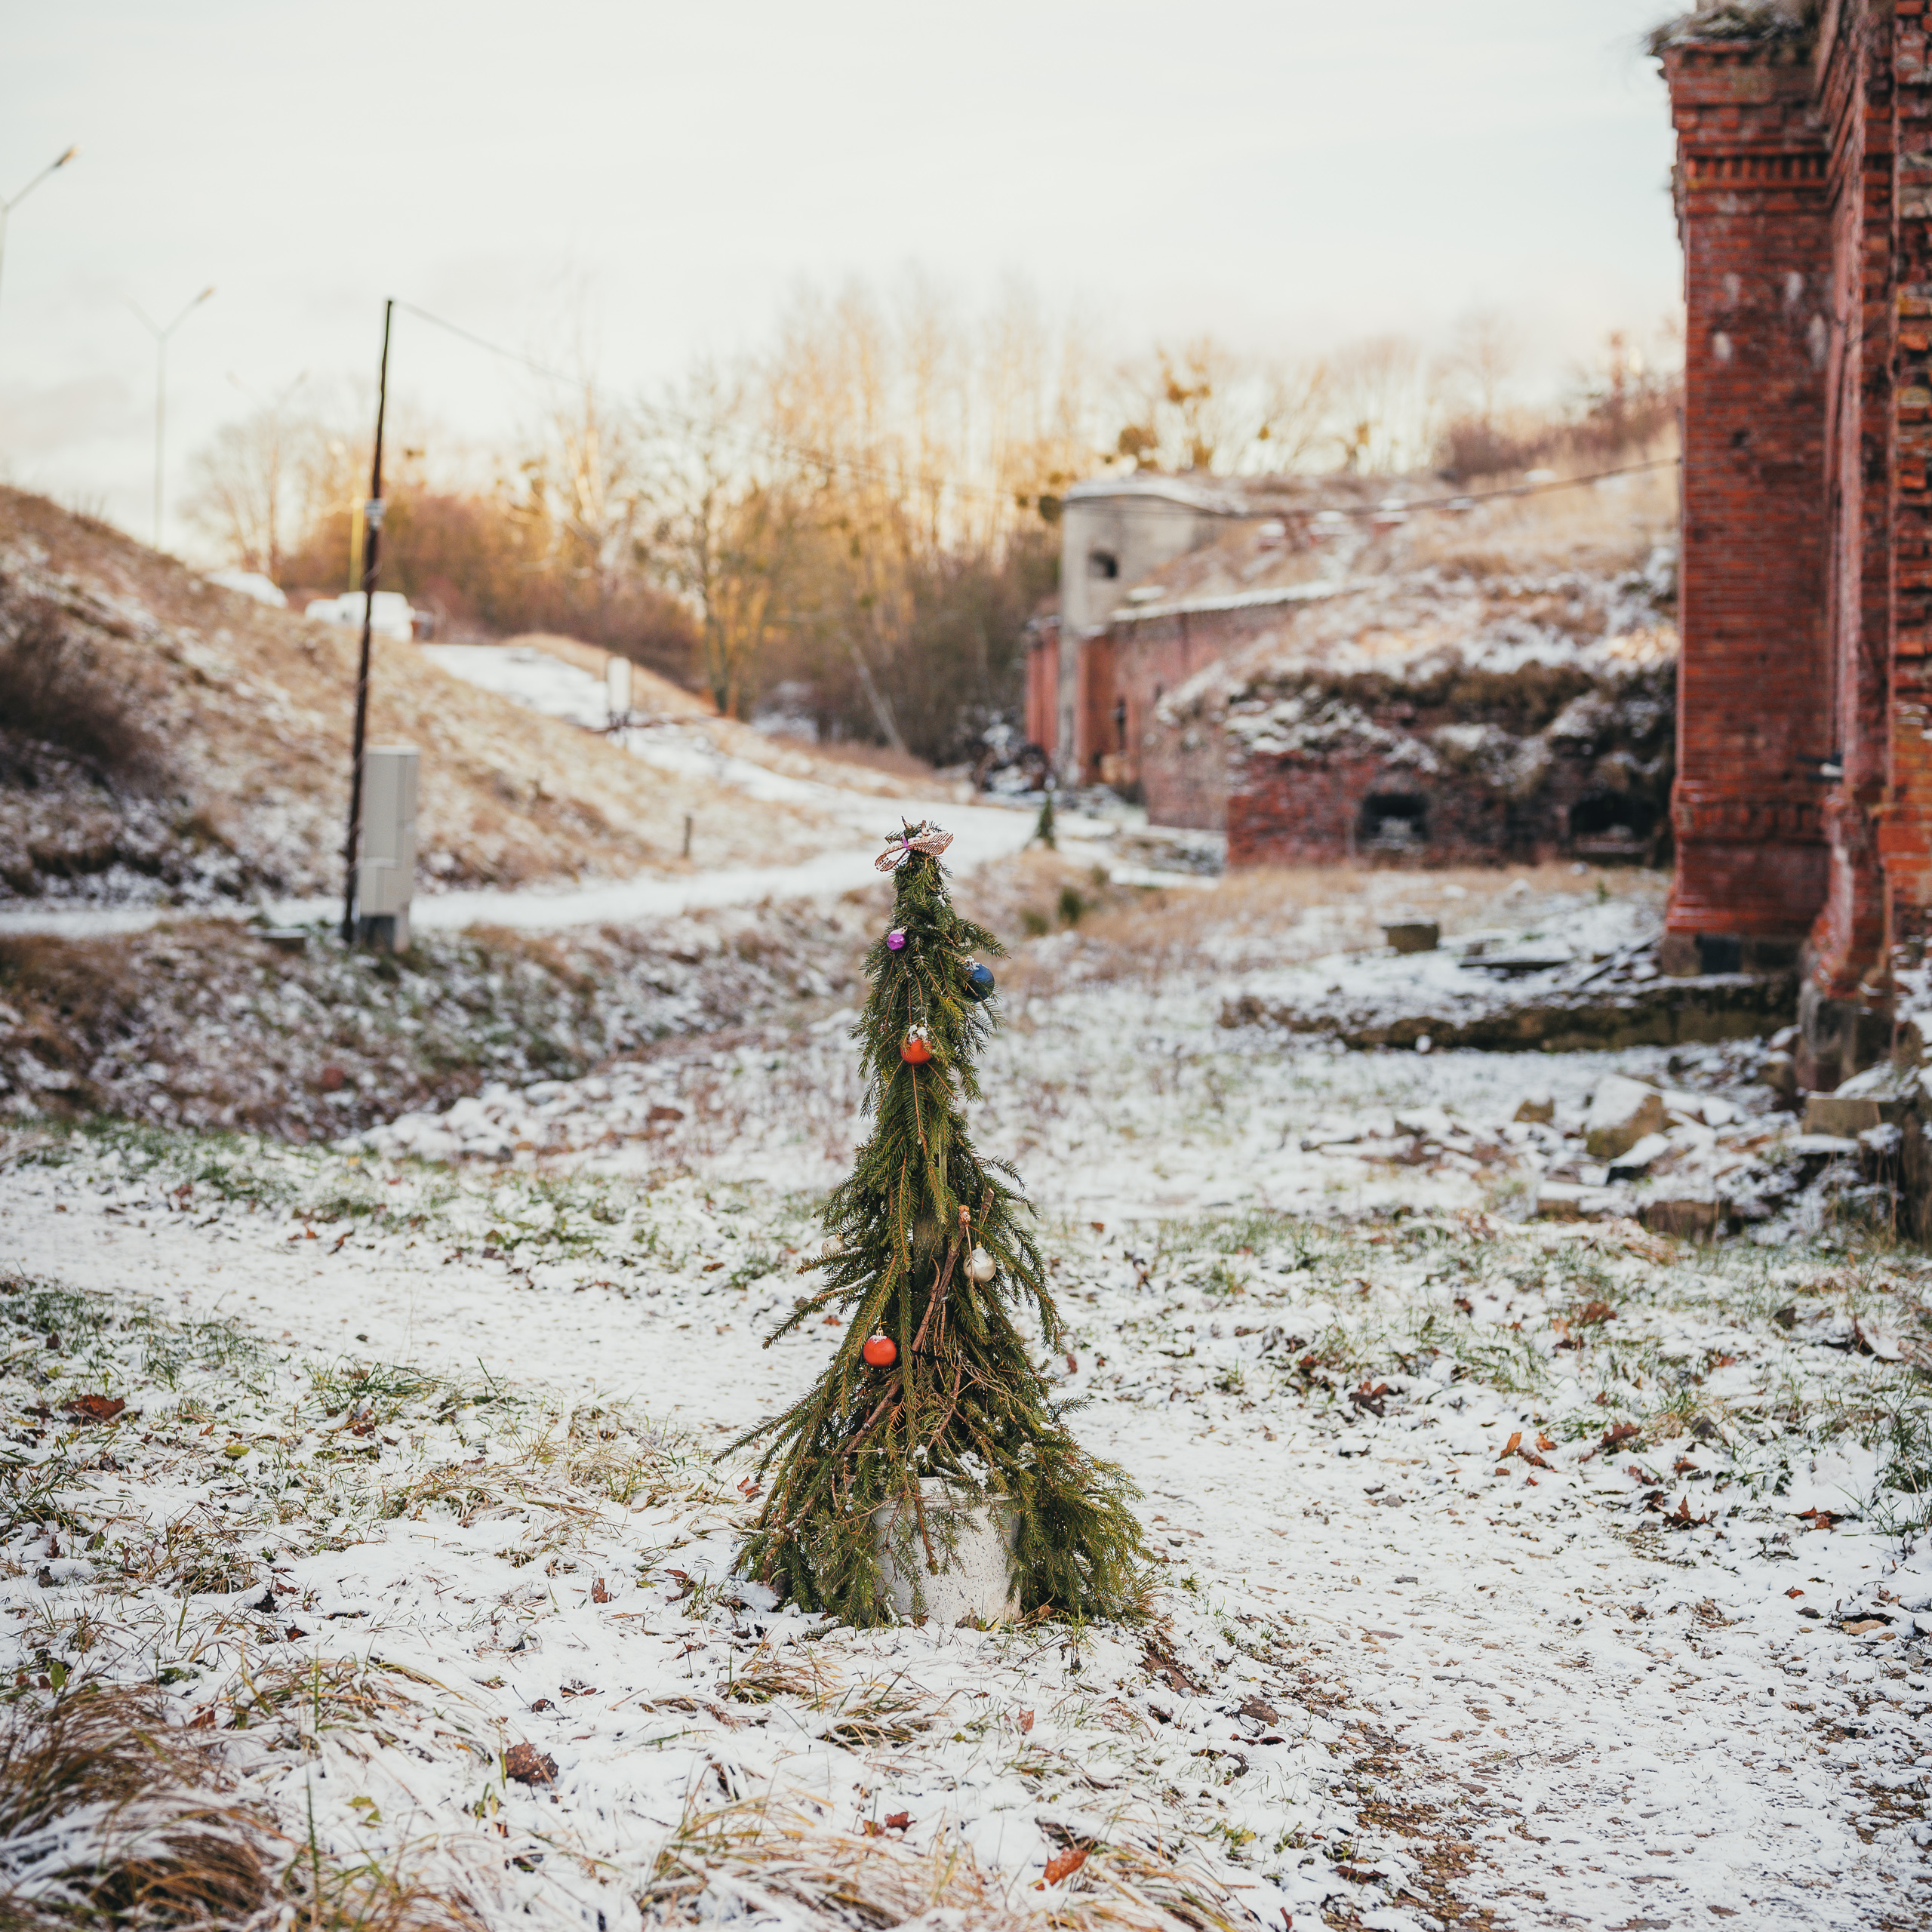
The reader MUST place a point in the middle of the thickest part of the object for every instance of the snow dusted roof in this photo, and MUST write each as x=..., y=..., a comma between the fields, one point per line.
x=1411, y=627
x=1739, y=23
x=1215, y=496
x=1239, y=600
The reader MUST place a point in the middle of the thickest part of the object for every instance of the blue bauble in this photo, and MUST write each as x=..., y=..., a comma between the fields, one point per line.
x=979, y=982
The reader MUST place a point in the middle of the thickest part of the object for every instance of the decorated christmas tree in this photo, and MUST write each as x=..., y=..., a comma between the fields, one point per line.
x=932, y=1404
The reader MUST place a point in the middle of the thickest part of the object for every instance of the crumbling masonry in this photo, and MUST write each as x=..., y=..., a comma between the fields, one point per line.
x=1803, y=807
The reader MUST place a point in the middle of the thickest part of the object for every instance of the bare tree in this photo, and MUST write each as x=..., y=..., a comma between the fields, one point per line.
x=727, y=524
x=1204, y=406
x=1485, y=356
x=1384, y=404
x=586, y=486
x=1296, y=400
x=248, y=483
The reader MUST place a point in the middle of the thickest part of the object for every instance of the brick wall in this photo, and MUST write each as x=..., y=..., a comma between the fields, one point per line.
x=1905, y=839
x=1753, y=725
x=1096, y=729
x=1180, y=770
x=1288, y=811
x=1380, y=782
x=1043, y=684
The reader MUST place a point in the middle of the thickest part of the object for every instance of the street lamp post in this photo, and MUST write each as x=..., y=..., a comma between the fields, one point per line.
x=8, y=207
x=161, y=335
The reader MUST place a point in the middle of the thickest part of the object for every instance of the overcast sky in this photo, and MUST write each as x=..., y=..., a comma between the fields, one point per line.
x=1282, y=174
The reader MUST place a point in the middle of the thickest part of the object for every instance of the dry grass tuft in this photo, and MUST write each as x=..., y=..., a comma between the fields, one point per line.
x=109, y=1815
x=764, y=1858
x=769, y=1674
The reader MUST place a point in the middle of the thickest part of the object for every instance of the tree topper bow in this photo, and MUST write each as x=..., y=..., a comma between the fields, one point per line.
x=926, y=838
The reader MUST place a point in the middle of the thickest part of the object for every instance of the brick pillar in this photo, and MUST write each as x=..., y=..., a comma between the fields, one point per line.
x=1752, y=724
x=1905, y=838
x=1855, y=98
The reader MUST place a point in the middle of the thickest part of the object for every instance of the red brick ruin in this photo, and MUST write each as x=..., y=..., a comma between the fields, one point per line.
x=1801, y=813
x=1803, y=807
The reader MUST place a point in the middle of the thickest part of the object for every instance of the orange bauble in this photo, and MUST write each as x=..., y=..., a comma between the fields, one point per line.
x=882, y=1351
x=916, y=1050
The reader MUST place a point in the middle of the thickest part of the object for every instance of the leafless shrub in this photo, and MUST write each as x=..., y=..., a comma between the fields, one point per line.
x=51, y=690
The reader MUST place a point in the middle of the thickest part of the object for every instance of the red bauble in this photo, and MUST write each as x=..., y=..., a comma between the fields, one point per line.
x=917, y=1049
x=882, y=1351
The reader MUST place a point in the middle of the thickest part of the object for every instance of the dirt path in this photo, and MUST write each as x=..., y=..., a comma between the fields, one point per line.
x=981, y=833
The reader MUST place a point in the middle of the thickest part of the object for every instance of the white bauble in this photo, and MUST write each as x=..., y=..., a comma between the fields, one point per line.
x=981, y=1266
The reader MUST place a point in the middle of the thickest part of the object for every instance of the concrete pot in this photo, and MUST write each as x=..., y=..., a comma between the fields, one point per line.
x=972, y=1545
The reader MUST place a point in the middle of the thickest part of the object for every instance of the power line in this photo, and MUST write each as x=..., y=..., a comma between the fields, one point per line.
x=1387, y=508
x=812, y=459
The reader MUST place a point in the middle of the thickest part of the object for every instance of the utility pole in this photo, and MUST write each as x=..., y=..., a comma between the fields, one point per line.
x=8, y=207
x=161, y=335
x=372, y=537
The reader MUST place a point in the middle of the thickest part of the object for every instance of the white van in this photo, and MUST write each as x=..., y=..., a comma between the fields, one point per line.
x=391, y=616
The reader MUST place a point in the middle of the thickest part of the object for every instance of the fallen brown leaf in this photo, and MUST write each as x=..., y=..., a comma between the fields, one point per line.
x=96, y=1408
x=1062, y=1865
x=527, y=1765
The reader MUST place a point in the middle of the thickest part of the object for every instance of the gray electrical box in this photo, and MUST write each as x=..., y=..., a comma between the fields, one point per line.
x=386, y=876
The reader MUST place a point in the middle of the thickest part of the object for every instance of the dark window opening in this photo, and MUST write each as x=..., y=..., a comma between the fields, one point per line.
x=1394, y=821
x=1611, y=823
x=1103, y=563
x=1720, y=952
x=1120, y=723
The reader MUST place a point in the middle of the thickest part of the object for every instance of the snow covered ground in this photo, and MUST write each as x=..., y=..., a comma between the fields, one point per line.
x=1550, y=1569
x=1132, y=1099
x=1505, y=1571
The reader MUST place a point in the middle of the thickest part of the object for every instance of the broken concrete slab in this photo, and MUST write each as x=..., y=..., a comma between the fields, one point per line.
x=1661, y=1012
x=1820, y=1146
x=1879, y=1096
x=1637, y=1158
x=1413, y=935
x=1571, y=1201
x=1622, y=1112
x=1846, y=1116
x=1688, y=1219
